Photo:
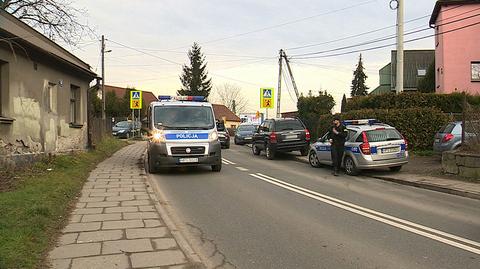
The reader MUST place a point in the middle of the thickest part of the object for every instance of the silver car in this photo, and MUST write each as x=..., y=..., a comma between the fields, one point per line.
x=449, y=137
x=369, y=145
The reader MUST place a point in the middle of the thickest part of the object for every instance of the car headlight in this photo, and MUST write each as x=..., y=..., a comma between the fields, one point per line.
x=213, y=136
x=158, y=137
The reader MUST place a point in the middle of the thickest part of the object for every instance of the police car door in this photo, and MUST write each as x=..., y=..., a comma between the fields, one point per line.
x=323, y=148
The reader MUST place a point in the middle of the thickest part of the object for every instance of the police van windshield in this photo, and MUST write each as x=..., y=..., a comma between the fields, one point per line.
x=184, y=117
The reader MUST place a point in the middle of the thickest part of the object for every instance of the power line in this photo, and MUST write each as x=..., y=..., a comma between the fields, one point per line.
x=388, y=45
x=286, y=85
x=352, y=36
x=374, y=31
x=146, y=53
x=284, y=24
x=382, y=39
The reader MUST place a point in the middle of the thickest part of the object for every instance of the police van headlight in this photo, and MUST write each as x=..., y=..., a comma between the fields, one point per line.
x=158, y=136
x=213, y=136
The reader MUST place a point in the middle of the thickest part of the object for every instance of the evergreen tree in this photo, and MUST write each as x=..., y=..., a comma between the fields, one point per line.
x=311, y=107
x=358, y=83
x=427, y=84
x=344, y=104
x=194, y=77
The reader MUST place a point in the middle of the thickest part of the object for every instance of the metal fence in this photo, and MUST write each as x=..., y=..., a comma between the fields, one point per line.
x=471, y=128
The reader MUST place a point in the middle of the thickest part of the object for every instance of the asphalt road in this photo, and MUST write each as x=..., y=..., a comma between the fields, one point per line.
x=258, y=213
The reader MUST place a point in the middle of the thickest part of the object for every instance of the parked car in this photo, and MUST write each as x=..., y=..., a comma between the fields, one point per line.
x=244, y=133
x=369, y=145
x=281, y=135
x=223, y=135
x=124, y=129
x=449, y=137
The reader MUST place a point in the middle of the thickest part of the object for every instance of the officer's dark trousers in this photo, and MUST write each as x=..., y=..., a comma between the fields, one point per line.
x=337, y=156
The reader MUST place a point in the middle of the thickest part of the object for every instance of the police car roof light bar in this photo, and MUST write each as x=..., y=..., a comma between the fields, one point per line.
x=182, y=98
x=360, y=122
x=164, y=97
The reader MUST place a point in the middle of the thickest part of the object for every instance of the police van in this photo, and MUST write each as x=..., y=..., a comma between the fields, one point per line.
x=182, y=132
x=370, y=144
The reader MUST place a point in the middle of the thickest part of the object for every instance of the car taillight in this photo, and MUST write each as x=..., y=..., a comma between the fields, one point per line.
x=307, y=135
x=406, y=142
x=365, y=146
x=447, y=137
x=273, y=137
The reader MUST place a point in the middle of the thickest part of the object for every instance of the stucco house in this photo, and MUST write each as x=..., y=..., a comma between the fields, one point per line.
x=43, y=97
x=457, y=49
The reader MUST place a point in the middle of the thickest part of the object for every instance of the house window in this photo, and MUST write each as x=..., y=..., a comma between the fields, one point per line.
x=74, y=105
x=475, y=67
x=51, y=97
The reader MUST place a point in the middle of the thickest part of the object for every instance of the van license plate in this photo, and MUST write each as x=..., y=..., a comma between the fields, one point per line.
x=188, y=160
x=437, y=140
x=390, y=150
x=290, y=137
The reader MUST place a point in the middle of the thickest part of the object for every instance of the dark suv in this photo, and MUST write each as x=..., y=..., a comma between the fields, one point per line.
x=281, y=135
x=223, y=135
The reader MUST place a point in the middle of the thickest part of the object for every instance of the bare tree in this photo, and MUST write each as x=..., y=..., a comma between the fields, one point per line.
x=231, y=96
x=57, y=19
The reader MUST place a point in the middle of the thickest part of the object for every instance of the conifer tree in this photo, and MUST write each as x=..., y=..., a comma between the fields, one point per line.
x=344, y=104
x=358, y=83
x=194, y=76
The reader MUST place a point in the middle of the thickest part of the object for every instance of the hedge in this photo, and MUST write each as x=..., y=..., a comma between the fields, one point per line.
x=418, y=125
x=448, y=103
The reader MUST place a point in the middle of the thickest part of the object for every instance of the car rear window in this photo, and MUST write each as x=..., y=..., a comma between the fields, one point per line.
x=286, y=125
x=243, y=128
x=447, y=128
x=383, y=135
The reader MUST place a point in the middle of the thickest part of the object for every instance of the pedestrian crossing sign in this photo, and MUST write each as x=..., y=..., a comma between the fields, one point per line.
x=266, y=97
x=136, y=100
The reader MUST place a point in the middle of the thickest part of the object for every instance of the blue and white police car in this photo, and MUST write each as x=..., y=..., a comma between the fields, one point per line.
x=369, y=144
x=182, y=133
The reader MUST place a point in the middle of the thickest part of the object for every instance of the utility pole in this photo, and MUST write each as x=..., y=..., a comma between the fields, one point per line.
x=291, y=75
x=104, y=116
x=400, y=23
x=279, y=91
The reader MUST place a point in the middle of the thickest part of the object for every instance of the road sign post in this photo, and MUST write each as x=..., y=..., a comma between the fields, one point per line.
x=266, y=99
x=135, y=104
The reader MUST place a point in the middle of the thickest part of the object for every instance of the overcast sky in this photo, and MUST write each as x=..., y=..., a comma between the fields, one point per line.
x=241, y=40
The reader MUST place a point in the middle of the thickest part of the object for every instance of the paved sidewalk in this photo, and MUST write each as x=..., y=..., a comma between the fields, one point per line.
x=116, y=223
x=456, y=187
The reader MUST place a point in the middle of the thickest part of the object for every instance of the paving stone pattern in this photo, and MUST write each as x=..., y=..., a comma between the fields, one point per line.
x=115, y=223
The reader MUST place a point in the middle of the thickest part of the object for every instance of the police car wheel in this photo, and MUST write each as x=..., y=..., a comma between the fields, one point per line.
x=151, y=166
x=395, y=168
x=312, y=159
x=270, y=153
x=255, y=150
x=350, y=167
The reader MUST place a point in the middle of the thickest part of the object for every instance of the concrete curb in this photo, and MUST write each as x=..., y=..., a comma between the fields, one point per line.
x=432, y=187
x=161, y=205
x=418, y=184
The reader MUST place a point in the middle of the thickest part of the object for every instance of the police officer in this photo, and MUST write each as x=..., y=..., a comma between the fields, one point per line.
x=337, y=137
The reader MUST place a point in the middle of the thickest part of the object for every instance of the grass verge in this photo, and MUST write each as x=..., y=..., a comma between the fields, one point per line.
x=33, y=212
